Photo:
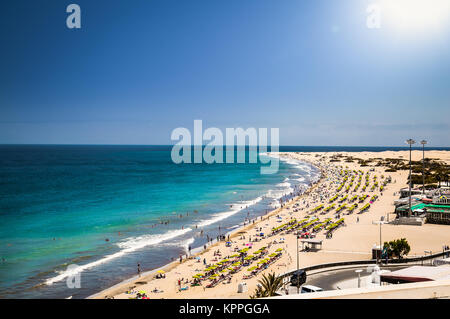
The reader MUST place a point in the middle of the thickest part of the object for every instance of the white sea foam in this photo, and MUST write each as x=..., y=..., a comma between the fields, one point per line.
x=129, y=245
x=236, y=208
x=187, y=243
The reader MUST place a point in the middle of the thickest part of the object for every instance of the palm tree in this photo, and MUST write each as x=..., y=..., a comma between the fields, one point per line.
x=269, y=285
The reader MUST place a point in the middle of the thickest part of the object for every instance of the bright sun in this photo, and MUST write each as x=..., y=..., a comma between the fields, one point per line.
x=419, y=15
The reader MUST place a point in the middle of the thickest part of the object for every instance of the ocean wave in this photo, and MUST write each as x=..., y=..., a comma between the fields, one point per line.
x=284, y=184
x=129, y=245
x=185, y=243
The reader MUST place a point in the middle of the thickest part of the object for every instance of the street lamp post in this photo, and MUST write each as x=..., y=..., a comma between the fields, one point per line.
x=298, y=270
x=381, y=247
x=379, y=261
x=410, y=142
x=423, y=142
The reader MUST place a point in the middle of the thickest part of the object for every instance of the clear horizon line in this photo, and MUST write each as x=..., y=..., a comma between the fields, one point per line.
x=171, y=145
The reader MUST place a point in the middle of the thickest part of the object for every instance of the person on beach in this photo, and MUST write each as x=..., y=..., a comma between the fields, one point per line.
x=139, y=269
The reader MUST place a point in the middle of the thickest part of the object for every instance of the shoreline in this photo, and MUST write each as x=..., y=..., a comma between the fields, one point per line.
x=200, y=250
x=342, y=246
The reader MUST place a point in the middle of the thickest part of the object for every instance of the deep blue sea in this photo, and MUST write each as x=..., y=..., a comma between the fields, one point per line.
x=106, y=208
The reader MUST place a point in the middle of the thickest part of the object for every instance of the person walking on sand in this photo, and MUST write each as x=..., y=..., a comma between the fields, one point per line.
x=139, y=269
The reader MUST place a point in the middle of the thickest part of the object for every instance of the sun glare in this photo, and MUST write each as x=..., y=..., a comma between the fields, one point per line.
x=417, y=15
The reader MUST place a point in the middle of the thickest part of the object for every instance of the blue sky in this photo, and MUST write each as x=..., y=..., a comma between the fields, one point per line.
x=136, y=70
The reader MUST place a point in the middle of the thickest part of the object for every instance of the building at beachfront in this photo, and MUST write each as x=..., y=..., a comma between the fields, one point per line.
x=435, y=211
x=432, y=207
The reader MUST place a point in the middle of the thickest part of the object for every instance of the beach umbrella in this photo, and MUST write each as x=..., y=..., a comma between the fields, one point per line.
x=142, y=292
x=161, y=272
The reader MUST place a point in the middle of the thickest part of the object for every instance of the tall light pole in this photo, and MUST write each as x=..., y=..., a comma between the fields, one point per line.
x=423, y=142
x=298, y=270
x=381, y=247
x=410, y=142
x=379, y=261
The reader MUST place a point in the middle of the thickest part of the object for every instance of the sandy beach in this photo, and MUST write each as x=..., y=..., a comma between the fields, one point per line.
x=353, y=241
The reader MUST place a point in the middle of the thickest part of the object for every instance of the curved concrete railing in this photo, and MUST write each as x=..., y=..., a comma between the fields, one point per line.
x=369, y=262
